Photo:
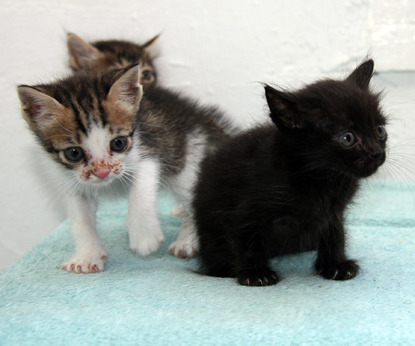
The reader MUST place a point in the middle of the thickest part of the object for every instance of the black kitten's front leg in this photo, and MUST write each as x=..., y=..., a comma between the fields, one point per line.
x=332, y=262
x=253, y=255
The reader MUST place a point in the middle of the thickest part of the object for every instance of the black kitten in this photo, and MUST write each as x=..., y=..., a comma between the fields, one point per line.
x=284, y=188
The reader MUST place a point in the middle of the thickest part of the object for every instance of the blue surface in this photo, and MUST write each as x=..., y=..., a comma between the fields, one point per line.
x=159, y=300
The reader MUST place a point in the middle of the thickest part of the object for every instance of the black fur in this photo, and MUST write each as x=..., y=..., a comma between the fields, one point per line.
x=281, y=189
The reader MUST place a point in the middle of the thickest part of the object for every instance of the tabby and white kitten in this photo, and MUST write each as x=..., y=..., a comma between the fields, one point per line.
x=105, y=55
x=101, y=143
x=109, y=54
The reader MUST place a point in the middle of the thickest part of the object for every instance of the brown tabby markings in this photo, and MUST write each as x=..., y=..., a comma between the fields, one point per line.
x=118, y=118
x=120, y=54
x=105, y=55
x=76, y=108
x=87, y=111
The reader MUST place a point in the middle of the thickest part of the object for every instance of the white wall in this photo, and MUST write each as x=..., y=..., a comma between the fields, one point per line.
x=214, y=50
x=392, y=33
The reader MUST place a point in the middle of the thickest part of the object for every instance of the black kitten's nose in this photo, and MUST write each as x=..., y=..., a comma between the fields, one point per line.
x=378, y=156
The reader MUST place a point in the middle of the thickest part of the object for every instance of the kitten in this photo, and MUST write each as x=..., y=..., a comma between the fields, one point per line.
x=283, y=188
x=103, y=141
x=104, y=55
x=110, y=54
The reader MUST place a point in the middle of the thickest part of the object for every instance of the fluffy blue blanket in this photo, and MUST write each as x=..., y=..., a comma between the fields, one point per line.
x=161, y=300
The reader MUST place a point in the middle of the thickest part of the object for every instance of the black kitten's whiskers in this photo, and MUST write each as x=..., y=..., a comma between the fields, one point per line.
x=283, y=189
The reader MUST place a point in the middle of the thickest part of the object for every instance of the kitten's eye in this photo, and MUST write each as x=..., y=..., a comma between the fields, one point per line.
x=146, y=75
x=74, y=154
x=381, y=132
x=347, y=139
x=119, y=143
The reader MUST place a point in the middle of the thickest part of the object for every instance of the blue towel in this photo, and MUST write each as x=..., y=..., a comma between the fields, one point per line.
x=160, y=300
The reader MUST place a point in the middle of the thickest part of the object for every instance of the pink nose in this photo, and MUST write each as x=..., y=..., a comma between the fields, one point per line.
x=102, y=173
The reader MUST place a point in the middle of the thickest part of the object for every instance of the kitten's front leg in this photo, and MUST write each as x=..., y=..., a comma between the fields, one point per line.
x=142, y=220
x=253, y=255
x=332, y=262
x=89, y=253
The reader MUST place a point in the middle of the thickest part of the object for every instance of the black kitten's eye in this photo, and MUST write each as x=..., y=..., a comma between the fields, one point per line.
x=147, y=75
x=119, y=143
x=74, y=154
x=347, y=139
x=381, y=132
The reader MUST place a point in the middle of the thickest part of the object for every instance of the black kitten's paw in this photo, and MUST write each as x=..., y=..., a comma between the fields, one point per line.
x=261, y=277
x=341, y=271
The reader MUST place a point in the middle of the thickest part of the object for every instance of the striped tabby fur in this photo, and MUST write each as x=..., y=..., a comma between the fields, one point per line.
x=112, y=54
x=165, y=137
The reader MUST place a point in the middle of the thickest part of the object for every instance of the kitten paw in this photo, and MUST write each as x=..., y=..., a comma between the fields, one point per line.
x=263, y=277
x=177, y=211
x=146, y=245
x=85, y=264
x=187, y=243
x=184, y=249
x=341, y=271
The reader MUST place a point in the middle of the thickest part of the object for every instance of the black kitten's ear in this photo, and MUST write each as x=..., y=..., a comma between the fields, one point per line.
x=82, y=55
x=362, y=74
x=38, y=109
x=127, y=91
x=284, y=112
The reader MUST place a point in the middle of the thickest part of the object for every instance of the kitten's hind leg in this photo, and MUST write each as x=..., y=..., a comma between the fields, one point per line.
x=89, y=253
x=178, y=211
x=186, y=244
x=142, y=220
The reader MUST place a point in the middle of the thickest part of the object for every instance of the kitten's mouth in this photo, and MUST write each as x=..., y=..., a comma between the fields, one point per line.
x=365, y=169
x=100, y=182
x=100, y=179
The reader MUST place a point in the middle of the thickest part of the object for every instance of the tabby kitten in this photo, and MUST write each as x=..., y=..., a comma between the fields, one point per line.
x=283, y=188
x=100, y=144
x=110, y=54
x=104, y=55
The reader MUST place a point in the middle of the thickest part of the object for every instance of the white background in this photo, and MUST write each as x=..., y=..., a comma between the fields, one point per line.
x=216, y=51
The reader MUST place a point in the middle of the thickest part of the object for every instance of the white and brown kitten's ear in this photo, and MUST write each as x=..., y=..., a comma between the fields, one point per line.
x=284, y=112
x=127, y=91
x=82, y=55
x=150, y=47
x=38, y=109
x=362, y=75
x=150, y=42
